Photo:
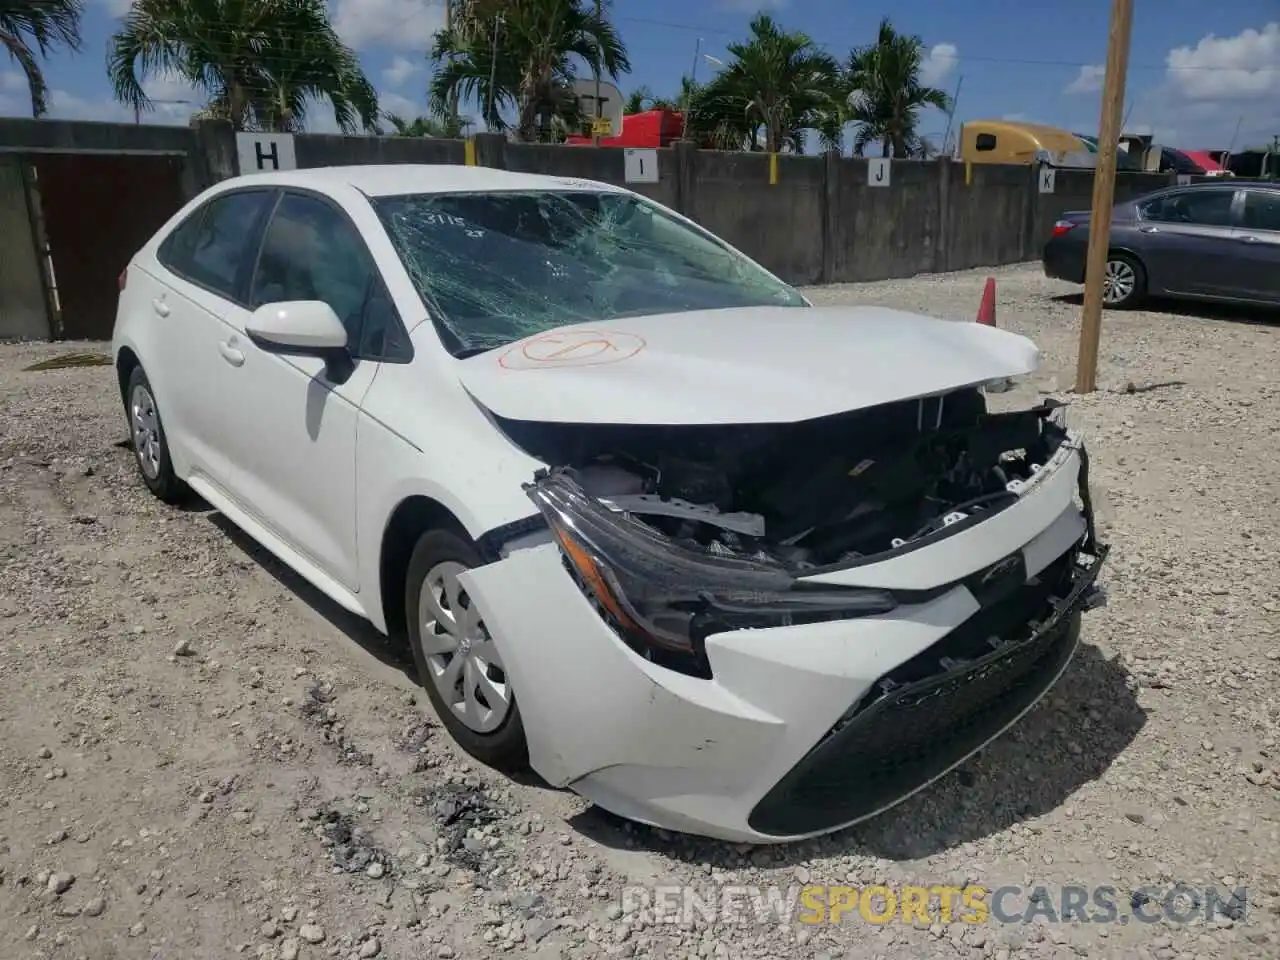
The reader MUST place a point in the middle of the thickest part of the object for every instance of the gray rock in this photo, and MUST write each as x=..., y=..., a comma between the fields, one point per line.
x=60, y=882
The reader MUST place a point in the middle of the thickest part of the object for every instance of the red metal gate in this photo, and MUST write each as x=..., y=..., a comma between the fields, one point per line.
x=98, y=210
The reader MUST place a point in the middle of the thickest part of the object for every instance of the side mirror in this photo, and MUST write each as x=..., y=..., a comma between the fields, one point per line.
x=307, y=328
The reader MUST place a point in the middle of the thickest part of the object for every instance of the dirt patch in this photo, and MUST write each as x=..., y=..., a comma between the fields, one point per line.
x=199, y=757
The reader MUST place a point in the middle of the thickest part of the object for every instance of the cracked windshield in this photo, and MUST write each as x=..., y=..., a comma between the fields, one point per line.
x=498, y=267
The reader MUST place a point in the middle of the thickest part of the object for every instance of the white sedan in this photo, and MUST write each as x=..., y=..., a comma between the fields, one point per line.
x=649, y=522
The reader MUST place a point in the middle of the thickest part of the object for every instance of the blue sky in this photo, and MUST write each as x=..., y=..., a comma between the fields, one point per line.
x=1196, y=68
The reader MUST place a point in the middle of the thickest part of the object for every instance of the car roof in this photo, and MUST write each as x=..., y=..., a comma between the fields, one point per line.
x=395, y=179
x=1223, y=183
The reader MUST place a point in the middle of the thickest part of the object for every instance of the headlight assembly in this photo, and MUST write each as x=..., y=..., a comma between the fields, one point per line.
x=665, y=598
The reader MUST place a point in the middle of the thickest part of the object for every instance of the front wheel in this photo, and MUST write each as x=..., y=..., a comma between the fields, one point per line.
x=458, y=662
x=1124, y=282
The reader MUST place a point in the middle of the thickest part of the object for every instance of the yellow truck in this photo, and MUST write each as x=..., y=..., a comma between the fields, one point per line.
x=1004, y=141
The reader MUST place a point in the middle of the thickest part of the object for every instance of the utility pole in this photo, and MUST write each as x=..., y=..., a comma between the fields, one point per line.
x=686, y=133
x=498, y=23
x=595, y=125
x=1104, y=191
x=452, y=106
x=951, y=113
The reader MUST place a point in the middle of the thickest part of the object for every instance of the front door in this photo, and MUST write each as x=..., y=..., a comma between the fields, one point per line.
x=1187, y=243
x=293, y=458
x=1258, y=246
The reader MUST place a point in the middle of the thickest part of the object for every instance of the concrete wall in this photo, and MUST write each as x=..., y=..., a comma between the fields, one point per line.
x=24, y=312
x=818, y=221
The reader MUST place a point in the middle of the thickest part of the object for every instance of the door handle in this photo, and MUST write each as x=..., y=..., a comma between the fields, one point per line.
x=1148, y=229
x=160, y=307
x=231, y=353
x=1248, y=238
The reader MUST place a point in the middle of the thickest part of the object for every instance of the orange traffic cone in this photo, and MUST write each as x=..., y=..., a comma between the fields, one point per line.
x=987, y=309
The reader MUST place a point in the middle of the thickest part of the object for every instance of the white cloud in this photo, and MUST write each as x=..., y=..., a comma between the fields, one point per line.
x=1221, y=91
x=938, y=63
x=1165, y=135
x=399, y=105
x=14, y=99
x=174, y=100
x=1243, y=67
x=397, y=24
x=401, y=69
x=1089, y=80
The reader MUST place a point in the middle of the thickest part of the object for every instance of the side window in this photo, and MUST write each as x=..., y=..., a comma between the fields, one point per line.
x=1262, y=210
x=1206, y=208
x=312, y=252
x=985, y=142
x=383, y=336
x=175, y=252
x=223, y=247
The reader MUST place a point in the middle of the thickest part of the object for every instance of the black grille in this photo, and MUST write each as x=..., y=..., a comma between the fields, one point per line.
x=918, y=724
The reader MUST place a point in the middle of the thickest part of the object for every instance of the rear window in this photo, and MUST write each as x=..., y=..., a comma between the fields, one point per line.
x=1207, y=208
x=215, y=247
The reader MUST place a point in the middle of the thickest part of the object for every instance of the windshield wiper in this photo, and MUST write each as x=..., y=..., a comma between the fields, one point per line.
x=465, y=352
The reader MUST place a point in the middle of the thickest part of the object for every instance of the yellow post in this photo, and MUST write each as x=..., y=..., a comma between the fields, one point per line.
x=773, y=169
x=968, y=173
x=469, y=151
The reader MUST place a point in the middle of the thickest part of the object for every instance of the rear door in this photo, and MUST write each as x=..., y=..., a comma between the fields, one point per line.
x=206, y=263
x=1187, y=243
x=1258, y=245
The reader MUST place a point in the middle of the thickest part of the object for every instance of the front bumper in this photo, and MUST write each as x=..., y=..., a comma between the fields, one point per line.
x=896, y=741
x=797, y=733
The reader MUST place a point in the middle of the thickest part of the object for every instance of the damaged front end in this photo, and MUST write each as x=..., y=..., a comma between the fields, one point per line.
x=680, y=533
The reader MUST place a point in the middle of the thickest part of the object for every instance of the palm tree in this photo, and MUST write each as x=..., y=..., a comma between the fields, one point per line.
x=778, y=84
x=639, y=100
x=468, y=68
x=523, y=54
x=887, y=95
x=642, y=99
x=447, y=128
x=259, y=61
x=49, y=24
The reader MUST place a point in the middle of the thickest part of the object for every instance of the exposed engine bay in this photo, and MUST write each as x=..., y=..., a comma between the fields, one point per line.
x=812, y=494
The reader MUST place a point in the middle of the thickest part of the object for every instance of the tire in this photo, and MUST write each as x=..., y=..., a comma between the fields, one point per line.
x=485, y=726
x=1124, y=282
x=148, y=442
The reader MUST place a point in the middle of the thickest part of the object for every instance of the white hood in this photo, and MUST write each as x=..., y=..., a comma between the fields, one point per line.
x=755, y=365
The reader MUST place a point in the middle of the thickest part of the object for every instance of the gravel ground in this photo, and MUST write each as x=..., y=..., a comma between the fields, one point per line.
x=201, y=758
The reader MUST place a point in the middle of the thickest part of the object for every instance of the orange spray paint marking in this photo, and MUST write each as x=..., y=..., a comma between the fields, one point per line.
x=571, y=348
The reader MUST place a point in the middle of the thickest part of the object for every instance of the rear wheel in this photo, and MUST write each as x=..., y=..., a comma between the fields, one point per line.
x=150, y=447
x=458, y=662
x=1124, y=282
